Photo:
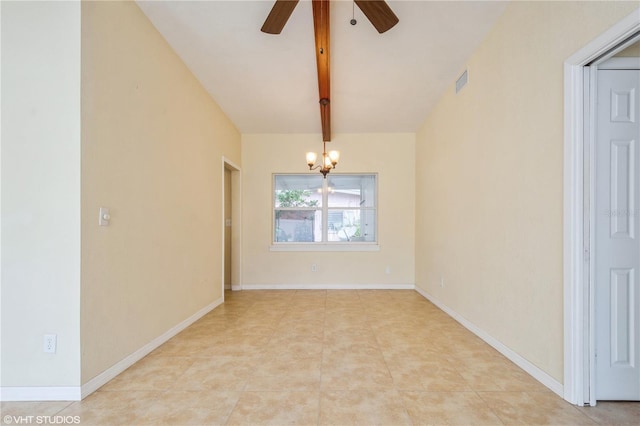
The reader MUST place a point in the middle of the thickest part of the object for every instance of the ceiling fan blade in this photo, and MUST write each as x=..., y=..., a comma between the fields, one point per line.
x=379, y=13
x=278, y=17
x=321, y=32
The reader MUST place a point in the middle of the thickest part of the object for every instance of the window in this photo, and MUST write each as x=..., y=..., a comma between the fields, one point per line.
x=340, y=209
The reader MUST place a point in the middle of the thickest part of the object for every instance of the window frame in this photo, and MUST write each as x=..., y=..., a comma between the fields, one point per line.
x=324, y=208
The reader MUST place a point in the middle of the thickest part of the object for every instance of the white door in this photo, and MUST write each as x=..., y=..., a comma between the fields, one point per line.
x=617, y=235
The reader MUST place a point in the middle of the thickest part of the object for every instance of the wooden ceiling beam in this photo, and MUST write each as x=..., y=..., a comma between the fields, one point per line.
x=321, y=30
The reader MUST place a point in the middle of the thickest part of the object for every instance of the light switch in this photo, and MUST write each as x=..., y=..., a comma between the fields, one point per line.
x=105, y=217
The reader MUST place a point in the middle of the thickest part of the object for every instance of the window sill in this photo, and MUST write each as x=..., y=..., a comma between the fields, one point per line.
x=325, y=247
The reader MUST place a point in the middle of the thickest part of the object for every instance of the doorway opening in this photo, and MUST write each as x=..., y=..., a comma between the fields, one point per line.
x=580, y=386
x=231, y=226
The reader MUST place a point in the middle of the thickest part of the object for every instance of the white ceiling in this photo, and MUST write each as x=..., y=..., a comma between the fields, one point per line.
x=379, y=82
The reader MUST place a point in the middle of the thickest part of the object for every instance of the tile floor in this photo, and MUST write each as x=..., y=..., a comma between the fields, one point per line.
x=326, y=358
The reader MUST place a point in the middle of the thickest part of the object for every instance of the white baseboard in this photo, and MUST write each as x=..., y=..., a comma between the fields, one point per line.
x=518, y=360
x=40, y=393
x=104, y=377
x=76, y=393
x=328, y=287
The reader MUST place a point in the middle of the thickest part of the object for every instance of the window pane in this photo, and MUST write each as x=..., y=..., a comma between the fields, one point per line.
x=351, y=191
x=351, y=225
x=311, y=209
x=298, y=226
x=298, y=191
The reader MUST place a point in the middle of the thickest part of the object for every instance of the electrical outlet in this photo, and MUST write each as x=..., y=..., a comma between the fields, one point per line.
x=50, y=343
x=314, y=267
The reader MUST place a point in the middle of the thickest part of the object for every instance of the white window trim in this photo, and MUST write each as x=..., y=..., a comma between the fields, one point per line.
x=359, y=246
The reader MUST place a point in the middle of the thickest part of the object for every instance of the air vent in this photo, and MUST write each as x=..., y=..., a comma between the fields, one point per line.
x=461, y=81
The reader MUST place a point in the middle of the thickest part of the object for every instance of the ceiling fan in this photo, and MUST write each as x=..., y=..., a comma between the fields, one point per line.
x=378, y=13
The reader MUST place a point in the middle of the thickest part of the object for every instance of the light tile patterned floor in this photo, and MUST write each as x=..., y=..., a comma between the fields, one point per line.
x=326, y=358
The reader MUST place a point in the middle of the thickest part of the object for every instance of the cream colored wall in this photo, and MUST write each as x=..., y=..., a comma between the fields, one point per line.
x=390, y=155
x=490, y=179
x=152, y=144
x=40, y=279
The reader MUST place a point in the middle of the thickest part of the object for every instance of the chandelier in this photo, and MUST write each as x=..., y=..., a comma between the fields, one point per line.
x=328, y=162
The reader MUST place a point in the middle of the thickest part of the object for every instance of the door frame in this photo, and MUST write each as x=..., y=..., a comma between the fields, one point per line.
x=579, y=350
x=236, y=225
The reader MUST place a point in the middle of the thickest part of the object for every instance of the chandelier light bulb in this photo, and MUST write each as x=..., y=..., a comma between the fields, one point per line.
x=327, y=162
x=334, y=156
x=311, y=158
